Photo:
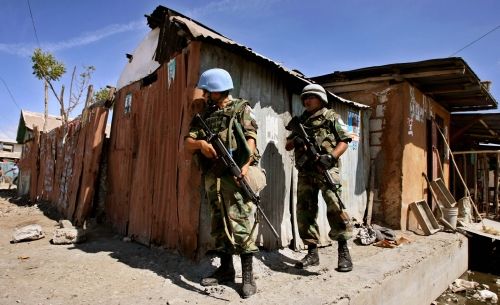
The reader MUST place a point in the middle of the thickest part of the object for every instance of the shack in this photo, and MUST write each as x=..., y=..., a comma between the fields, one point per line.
x=154, y=193
x=413, y=103
x=29, y=120
x=475, y=139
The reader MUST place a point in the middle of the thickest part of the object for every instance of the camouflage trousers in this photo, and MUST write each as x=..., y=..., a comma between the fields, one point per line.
x=307, y=210
x=231, y=216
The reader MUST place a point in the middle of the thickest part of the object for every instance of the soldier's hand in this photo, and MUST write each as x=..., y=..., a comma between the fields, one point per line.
x=244, y=171
x=299, y=143
x=326, y=161
x=208, y=150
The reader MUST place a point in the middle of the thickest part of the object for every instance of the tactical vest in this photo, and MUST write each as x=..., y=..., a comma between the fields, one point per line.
x=226, y=123
x=322, y=129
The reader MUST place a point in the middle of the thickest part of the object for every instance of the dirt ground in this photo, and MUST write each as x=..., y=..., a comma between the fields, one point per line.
x=108, y=269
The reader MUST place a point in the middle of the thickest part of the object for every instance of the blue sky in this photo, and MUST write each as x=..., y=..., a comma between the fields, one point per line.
x=315, y=37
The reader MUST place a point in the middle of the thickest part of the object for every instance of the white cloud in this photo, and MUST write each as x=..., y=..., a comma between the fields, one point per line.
x=225, y=6
x=84, y=39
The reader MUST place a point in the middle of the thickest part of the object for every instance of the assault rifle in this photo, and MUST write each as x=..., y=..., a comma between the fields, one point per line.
x=229, y=163
x=312, y=154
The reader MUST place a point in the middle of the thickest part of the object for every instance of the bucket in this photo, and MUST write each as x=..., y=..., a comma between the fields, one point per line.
x=450, y=215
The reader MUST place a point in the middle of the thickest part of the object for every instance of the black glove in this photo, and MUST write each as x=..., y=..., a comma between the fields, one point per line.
x=298, y=142
x=326, y=161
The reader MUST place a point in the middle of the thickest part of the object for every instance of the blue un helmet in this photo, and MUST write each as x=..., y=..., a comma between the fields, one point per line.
x=215, y=80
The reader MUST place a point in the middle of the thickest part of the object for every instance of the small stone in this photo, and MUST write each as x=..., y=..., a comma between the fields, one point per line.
x=27, y=233
x=65, y=236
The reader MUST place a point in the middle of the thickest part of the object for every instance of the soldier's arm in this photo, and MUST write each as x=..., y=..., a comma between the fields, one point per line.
x=206, y=148
x=339, y=150
x=252, y=146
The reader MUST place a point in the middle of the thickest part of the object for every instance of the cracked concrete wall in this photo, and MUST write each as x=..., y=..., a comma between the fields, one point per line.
x=400, y=133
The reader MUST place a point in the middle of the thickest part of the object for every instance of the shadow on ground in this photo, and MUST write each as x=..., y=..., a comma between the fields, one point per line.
x=171, y=266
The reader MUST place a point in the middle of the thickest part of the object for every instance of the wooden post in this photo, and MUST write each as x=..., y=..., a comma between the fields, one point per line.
x=46, y=111
x=475, y=176
x=465, y=177
x=64, y=115
x=369, y=209
x=90, y=93
x=485, y=185
x=495, y=184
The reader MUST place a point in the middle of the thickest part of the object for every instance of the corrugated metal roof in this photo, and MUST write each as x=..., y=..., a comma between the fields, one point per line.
x=198, y=31
x=470, y=129
x=35, y=119
x=449, y=81
x=142, y=63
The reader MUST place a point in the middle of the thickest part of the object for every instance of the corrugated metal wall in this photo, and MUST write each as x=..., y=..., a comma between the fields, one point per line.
x=274, y=104
x=62, y=169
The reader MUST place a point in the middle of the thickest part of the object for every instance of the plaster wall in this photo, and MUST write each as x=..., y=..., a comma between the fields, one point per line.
x=401, y=129
x=417, y=134
x=386, y=149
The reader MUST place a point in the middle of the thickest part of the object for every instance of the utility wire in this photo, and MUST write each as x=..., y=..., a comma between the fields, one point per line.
x=491, y=31
x=10, y=93
x=33, y=22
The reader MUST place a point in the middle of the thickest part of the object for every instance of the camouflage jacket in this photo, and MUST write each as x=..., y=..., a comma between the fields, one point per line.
x=327, y=128
x=223, y=121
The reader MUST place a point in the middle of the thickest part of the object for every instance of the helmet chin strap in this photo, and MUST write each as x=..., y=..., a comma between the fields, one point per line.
x=220, y=102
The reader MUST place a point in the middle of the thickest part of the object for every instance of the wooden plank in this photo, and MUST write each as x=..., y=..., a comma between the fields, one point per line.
x=76, y=174
x=189, y=176
x=425, y=218
x=141, y=190
x=120, y=160
x=443, y=195
x=91, y=160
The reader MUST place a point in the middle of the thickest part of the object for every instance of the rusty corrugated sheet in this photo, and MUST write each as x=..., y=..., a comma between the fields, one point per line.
x=146, y=199
x=29, y=163
x=95, y=133
x=55, y=163
x=121, y=152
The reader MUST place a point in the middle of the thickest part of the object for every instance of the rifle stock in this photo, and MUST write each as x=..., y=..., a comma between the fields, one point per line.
x=234, y=169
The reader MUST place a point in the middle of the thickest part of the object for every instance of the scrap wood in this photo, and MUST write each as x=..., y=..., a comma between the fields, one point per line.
x=385, y=243
x=403, y=240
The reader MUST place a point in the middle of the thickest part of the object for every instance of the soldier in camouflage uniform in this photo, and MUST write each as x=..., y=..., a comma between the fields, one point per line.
x=333, y=138
x=230, y=209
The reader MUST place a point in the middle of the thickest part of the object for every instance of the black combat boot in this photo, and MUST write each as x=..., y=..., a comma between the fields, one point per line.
x=249, y=287
x=311, y=258
x=225, y=273
x=345, y=262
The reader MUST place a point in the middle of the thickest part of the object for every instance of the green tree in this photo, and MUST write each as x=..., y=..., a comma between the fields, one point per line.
x=103, y=95
x=47, y=68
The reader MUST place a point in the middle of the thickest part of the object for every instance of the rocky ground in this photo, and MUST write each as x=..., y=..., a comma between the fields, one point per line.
x=109, y=269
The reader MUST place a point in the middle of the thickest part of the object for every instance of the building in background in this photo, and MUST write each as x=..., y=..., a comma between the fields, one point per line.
x=412, y=106
x=29, y=120
x=10, y=150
